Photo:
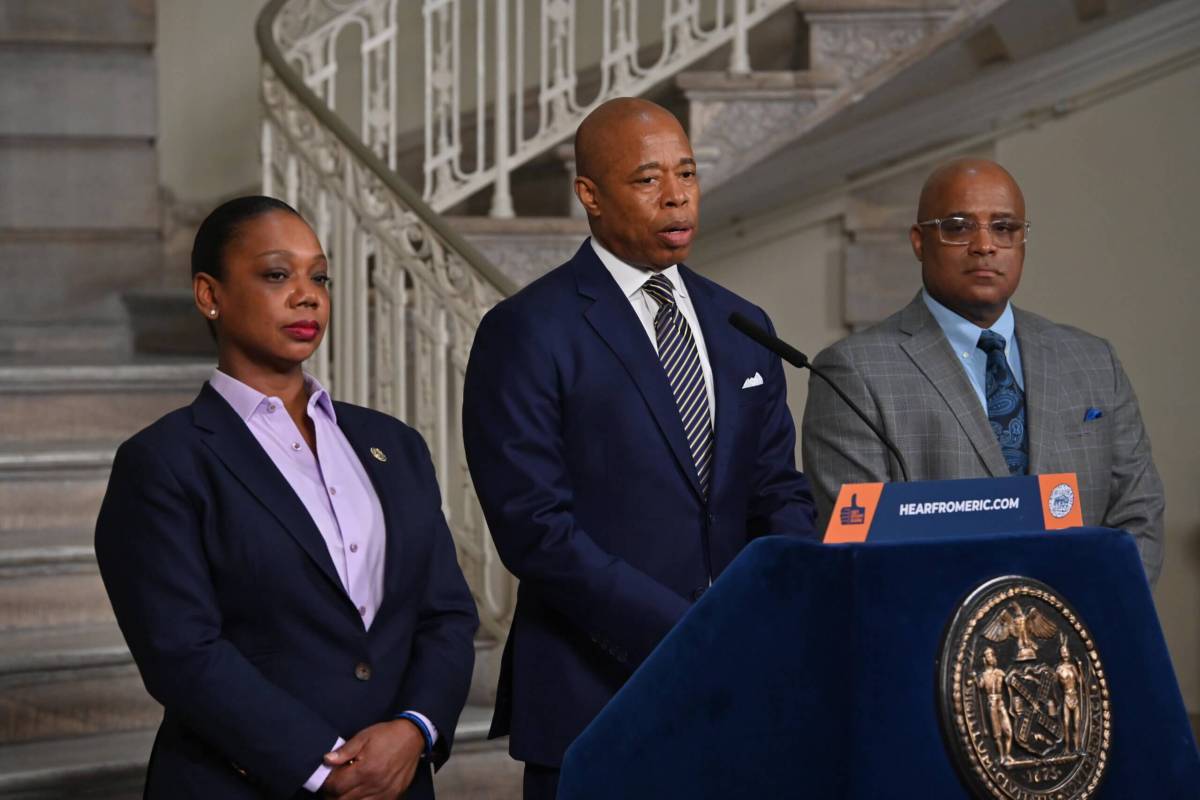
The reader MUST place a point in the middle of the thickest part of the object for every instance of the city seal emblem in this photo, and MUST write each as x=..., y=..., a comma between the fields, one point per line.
x=1062, y=500
x=1023, y=698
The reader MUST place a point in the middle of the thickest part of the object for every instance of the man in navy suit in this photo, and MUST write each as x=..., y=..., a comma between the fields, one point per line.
x=625, y=442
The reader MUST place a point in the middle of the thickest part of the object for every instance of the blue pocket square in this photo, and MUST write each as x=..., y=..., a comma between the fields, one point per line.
x=1091, y=414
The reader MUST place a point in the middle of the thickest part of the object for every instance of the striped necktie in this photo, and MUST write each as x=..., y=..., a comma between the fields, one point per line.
x=681, y=361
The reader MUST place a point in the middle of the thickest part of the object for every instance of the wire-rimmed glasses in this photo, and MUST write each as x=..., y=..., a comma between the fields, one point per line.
x=1006, y=232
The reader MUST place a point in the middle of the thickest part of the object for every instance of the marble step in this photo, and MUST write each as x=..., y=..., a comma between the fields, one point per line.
x=164, y=322
x=40, y=550
x=67, y=90
x=70, y=681
x=52, y=403
x=49, y=578
x=57, y=486
x=729, y=114
x=44, y=585
x=523, y=248
x=111, y=766
x=68, y=276
x=112, y=23
x=102, y=336
x=78, y=183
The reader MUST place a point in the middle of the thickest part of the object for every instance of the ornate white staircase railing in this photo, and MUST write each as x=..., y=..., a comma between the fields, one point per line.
x=480, y=59
x=408, y=291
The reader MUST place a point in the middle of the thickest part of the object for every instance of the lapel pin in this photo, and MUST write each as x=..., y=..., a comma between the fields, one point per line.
x=379, y=454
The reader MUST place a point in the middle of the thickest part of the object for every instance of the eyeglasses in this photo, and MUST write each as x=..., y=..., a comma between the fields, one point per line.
x=961, y=230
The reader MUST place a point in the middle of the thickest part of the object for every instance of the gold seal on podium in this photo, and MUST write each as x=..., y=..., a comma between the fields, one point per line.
x=1022, y=694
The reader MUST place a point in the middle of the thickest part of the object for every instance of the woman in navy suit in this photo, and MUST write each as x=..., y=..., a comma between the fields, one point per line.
x=278, y=562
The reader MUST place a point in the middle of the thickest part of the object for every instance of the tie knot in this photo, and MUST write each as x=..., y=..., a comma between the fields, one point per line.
x=660, y=288
x=990, y=342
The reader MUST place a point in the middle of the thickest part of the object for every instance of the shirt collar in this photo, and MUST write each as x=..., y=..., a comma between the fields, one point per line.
x=246, y=400
x=631, y=278
x=963, y=334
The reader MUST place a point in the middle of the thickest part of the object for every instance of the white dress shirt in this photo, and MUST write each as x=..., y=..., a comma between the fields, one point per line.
x=631, y=279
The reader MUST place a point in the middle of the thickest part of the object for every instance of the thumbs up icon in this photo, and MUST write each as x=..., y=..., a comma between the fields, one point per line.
x=853, y=514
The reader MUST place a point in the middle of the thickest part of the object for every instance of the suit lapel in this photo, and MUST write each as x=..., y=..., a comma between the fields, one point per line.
x=384, y=479
x=723, y=360
x=234, y=444
x=929, y=350
x=613, y=319
x=1037, y=363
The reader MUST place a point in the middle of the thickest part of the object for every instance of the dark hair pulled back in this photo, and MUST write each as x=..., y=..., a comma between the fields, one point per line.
x=221, y=226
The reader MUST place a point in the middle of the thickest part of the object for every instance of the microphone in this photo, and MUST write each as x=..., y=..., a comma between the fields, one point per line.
x=800, y=361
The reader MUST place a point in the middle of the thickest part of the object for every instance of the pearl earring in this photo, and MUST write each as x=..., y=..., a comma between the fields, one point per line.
x=212, y=312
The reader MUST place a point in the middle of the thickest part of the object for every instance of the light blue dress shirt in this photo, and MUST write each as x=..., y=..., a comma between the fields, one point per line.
x=963, y=337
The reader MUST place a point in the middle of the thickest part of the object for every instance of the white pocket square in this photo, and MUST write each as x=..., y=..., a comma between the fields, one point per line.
x=752, y=382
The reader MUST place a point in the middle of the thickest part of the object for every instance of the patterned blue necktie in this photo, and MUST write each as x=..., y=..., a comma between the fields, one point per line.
x=679, y=357
x=1005, y=404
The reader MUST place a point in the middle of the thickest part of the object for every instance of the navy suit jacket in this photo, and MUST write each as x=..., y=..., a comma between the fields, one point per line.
x=578, y=456
x=238, y=622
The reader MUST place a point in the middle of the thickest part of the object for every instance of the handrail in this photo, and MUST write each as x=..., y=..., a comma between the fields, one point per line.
x=409, y=196
x=409, y=290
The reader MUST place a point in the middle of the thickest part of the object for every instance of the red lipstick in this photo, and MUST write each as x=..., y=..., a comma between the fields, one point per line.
x=304, y=331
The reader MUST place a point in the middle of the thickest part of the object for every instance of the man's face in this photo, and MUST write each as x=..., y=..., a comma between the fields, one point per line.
x=974, y=280
x=644, y=200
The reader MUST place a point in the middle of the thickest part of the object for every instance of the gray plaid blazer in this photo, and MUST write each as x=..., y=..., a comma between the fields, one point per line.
x=903, y=374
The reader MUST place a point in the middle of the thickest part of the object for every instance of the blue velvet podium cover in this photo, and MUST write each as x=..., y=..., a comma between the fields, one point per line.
x=808, y=670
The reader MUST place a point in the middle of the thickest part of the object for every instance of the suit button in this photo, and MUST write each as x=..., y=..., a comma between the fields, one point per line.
x=698, y=592
x=363, y=672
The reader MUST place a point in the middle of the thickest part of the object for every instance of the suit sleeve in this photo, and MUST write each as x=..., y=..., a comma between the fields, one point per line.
x=782, y=501
x=1136, y=500
x=443, y=652
x=152, y=560
x=836, y=445
x=512, y=424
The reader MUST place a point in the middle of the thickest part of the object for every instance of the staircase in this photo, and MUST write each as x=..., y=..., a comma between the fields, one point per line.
x=79, y=226
x=78, y=172
x=72, y=706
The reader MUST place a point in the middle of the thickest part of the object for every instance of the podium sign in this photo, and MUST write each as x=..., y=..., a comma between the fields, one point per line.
x=885, y=512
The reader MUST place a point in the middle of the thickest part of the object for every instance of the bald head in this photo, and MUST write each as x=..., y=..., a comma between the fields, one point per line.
x=941, y=180
x=635, y=176
x=969, y=261
x=606, y=131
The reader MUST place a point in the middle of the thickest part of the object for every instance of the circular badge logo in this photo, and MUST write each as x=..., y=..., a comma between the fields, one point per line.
x=1023, y=698
x=1062, y=500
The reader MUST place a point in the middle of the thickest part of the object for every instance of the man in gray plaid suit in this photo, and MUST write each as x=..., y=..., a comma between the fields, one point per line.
x=967, y=386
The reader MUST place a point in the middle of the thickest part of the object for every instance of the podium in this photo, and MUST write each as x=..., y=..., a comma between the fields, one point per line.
x=811, y=670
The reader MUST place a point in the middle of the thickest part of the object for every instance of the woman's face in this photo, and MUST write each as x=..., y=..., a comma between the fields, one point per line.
x=273, y=299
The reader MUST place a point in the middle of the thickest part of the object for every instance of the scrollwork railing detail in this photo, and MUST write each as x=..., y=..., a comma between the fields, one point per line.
x=504, y=80
x=407, y=297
